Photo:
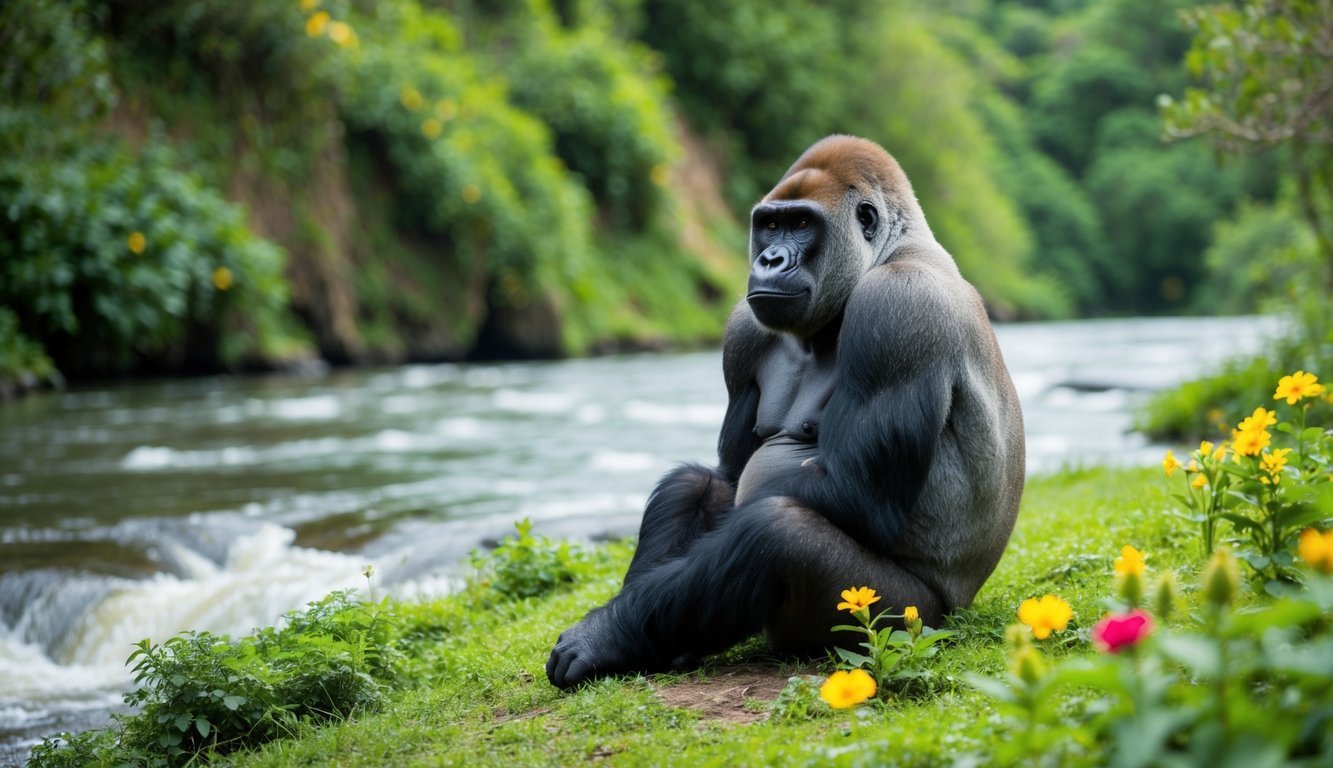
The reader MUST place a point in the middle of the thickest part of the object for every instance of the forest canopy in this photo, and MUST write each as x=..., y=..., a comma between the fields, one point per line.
x=206, y=185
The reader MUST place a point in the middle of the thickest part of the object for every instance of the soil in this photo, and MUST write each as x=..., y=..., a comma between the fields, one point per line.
x=723, y=695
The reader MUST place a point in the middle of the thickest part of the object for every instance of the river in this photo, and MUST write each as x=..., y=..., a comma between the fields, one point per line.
x=141, y=509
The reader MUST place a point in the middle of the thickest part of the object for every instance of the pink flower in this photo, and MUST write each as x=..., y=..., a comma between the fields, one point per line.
x=1117, y=632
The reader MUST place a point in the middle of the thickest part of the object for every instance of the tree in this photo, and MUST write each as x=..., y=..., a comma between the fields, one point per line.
x=1267, y=69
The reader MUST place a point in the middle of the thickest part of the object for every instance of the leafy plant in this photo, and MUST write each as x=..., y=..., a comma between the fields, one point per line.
x=200, y=694
x=895, y=658
x=528, y=565
x=1267, y=494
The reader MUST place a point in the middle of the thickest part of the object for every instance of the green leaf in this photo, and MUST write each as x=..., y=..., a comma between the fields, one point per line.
x=203, y=727
x=854, y=658
x=996, y=689
x=1198, y=654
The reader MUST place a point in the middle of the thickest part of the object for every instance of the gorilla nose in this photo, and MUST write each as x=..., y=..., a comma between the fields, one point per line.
x=775, y=258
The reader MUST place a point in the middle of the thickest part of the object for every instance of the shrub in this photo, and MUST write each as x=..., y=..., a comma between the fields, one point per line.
x=201, y=693
x=527, y=565
x=111, y=257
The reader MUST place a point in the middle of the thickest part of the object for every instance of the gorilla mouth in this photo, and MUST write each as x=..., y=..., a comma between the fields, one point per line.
x=768, y=294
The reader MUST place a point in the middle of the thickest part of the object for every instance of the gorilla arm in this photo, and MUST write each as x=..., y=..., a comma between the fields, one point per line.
x=884, y=423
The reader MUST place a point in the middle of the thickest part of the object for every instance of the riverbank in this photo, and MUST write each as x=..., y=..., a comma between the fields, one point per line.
x=482, y=694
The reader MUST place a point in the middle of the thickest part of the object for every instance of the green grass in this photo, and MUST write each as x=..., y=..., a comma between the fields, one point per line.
x=488, y=701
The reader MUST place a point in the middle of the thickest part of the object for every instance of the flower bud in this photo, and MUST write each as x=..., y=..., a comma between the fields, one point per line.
x=1130, y=587
x=1221, y=579
x=1017, y=637
x=912, y=620
x=1028, y=665
x=1165, y=594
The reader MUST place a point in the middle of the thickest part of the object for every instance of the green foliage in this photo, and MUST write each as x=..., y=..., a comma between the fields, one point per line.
x=1264, y=258
x=469, y=166
x=110, y=257
x=608, y=113
x=769, y=76
x=1229, y=687
x=22, y=360
x=799, y=700
x=527, y=565
x=1159, y=203
x=199, y=694
x=51, y=59
x=1267, y=495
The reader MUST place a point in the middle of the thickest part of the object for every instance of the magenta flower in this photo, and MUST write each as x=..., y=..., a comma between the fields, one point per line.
x=1116, y=632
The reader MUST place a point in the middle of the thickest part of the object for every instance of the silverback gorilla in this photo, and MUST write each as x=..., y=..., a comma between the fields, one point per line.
x=872, y=437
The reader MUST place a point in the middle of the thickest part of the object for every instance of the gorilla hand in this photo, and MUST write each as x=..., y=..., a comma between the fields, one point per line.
x=595, y=647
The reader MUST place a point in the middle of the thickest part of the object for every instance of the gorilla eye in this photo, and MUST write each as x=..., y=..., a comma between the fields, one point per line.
x=772, y=225
x=802, y=223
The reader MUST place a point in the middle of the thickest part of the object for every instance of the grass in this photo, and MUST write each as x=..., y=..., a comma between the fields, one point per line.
x=487, y=699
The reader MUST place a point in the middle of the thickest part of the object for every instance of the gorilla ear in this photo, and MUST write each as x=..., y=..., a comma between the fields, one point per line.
x=869, y=218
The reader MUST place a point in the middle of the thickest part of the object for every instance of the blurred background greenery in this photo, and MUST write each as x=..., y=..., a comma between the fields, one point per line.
x=201, y=185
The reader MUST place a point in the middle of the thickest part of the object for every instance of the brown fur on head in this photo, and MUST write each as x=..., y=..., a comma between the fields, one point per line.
x=832, y=164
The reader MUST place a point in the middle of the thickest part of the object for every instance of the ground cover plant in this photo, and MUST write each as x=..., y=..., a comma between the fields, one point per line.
x=1109, y=634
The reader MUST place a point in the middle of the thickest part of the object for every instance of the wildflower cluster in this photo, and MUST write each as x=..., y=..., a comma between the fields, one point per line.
x=892, y=659
x=1265, y=494
x=1157, y=695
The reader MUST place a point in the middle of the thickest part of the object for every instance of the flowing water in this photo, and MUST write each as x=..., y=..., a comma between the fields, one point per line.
x=143, y=509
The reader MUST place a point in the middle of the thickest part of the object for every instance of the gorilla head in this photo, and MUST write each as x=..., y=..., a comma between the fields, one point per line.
x=839, y=208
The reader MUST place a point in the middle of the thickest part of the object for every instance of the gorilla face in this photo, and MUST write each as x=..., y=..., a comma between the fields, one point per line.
x=786, y=238
x=805, y=266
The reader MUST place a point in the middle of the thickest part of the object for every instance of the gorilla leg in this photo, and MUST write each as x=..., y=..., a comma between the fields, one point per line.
x=689, y=501
x=771, y=564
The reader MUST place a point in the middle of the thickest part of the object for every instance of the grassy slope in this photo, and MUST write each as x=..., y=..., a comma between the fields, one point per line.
x=491, y=701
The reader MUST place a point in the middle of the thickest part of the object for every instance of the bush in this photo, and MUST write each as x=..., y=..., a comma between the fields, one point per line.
x=202, y=694
x=111, y=258
x=527, y=565
x=607, y=112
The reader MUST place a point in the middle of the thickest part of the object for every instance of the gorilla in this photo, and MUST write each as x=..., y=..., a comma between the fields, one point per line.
x=872, y=437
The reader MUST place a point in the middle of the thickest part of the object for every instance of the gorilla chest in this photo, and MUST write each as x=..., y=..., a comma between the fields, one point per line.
x=794, y=386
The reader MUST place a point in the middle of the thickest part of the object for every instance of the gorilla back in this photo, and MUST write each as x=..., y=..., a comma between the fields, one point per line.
x=872, y=437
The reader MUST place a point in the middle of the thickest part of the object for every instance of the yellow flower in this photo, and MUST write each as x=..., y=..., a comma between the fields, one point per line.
x=1193, y=467
x=1129, y=562
x=1248, y=443
x=1205, y=449
x=1316, y=549
x=308, y=5
x=411, y=98
x=845, y=689
x=222, y=278
x=137, y=242
x=856, y=598
x=1199, y=481
x=341, y=33
x=431, y=128
x=1258, y=421
x=910, y=614
x=1169, y=464
x=1220, y=453
x=1044, y=616
x=1273, y=462
x=1297, y=386
x=315, y=25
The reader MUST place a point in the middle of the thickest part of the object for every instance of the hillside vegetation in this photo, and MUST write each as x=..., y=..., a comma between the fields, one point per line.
x=208, y=185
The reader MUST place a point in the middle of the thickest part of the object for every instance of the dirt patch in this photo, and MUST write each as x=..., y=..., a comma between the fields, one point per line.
x=724, y=694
